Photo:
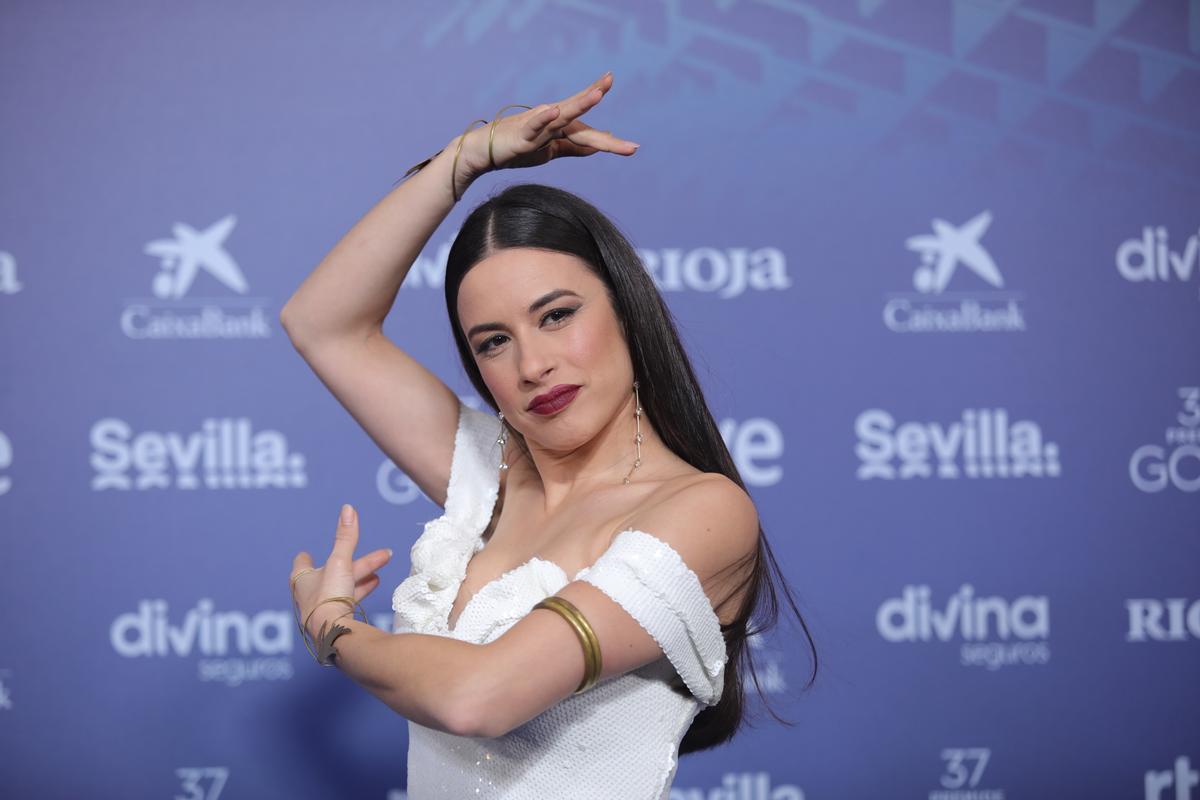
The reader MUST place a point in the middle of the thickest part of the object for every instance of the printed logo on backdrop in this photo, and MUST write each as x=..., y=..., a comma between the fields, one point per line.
x=226, y=453
x=963, y=774
x=9, y=283
x=202, y=783
x=1173, y=619
x=232, y=647
x=725, y=272
x=6, y=701
x=992, y=632
x=741, y=786
x=768, y=664
x=6, y=461
x=1176, y=462
x=756, y=445
x=395, y=486
x=1151, y=258
x=1171, y=784
x=978, y=302
x=983, y=443
x=189, y=264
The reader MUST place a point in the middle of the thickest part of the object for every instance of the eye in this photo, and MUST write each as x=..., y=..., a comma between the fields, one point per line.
x=566, y=313
x=486, y=344
x=553, y=317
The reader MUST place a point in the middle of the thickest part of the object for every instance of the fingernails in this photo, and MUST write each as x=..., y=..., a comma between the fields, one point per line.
x=347, y=514
x=389, y=552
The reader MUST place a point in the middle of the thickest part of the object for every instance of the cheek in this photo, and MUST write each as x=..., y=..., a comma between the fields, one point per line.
x=494, y=379
x=591, y=344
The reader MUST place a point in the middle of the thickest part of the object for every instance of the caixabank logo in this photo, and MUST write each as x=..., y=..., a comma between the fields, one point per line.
x=233, y=646
x=992, y=631
x=224, y=454
x=726, y=272
x=977, y=302
x=1174, y=464
x=190, y=266
x=983, y=443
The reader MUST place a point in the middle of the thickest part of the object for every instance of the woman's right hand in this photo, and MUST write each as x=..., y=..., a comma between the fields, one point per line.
x=544, y=132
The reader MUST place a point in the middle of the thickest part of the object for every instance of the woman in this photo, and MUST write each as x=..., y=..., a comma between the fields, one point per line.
x=601, y=480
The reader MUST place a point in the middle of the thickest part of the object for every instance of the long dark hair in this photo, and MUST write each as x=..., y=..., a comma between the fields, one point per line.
x=545, y=217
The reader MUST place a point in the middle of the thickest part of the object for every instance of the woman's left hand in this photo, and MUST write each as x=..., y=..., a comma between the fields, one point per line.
x=341, y=575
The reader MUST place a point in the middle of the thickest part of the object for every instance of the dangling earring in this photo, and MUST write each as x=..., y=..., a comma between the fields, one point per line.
x=502, y=439
x=637, y=418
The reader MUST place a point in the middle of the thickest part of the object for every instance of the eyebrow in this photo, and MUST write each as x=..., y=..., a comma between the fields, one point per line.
x=534, y=306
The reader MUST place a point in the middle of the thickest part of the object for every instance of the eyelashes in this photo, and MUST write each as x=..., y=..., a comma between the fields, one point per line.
x=489, y=343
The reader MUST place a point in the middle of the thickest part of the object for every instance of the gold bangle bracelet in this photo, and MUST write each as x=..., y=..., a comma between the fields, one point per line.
x=592, y=662
x=492, y=127
x=457, y=150
x=303, y=627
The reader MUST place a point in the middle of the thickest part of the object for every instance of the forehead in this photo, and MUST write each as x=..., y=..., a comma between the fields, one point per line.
x=512, y=278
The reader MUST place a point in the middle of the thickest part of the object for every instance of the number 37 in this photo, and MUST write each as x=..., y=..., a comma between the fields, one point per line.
x=191, y=777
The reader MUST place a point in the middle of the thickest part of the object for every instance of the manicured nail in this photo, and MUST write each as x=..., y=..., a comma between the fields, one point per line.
x=347, y=514
x=389, y=552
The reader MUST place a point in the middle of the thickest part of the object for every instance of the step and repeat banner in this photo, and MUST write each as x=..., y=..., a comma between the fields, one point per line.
x=937, y=265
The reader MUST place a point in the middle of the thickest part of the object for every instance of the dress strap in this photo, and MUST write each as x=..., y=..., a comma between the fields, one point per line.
x=649, y=579
x=440, y=555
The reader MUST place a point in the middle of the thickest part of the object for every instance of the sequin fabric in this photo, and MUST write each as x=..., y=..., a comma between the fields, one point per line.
x=619, y=739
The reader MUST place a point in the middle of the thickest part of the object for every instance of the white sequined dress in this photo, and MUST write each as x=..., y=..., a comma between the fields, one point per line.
x=619, y=739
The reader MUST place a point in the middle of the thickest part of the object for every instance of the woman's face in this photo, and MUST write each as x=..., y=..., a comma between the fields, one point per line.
x=535, y=319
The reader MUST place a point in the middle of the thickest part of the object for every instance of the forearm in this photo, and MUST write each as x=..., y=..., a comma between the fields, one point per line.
x=354, y=286
x=419, y=676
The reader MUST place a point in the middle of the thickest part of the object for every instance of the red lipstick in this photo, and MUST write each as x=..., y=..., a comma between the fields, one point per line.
x=554, y=400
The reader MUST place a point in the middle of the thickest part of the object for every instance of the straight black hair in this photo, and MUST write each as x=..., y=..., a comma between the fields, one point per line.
x=549, y=218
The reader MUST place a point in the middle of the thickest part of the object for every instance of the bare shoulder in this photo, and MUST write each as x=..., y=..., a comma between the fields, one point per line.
x=706, y=514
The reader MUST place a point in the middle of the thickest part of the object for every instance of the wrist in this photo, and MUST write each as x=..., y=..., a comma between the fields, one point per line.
x=472, y=158
x=326, y=613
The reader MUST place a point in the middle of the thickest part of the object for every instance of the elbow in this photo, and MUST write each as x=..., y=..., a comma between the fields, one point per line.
x=294, y=328
x=472, y=711
x=472, y=718
x=287, y=323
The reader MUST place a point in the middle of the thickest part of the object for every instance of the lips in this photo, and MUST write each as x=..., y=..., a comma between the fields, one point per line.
x=555, y=399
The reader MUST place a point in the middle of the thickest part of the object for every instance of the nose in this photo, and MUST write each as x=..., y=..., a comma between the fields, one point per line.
x=534, y=363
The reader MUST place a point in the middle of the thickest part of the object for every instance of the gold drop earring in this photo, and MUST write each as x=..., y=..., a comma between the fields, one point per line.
x=502, y=439
x=637, y=418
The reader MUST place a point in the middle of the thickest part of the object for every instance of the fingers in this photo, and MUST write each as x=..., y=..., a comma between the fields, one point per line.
x=583, y=101
x=603, y=83
x=346, y=538
x=371, y=562
x=302, y=561
x=365, y=587
x=587, y=137
x=576, y=106
x=538, y=122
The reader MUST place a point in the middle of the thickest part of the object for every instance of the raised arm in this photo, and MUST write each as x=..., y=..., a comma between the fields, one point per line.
x=335, y=321
x=335, y=318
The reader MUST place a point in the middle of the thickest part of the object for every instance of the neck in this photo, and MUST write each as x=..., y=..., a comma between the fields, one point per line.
x=604, y=460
